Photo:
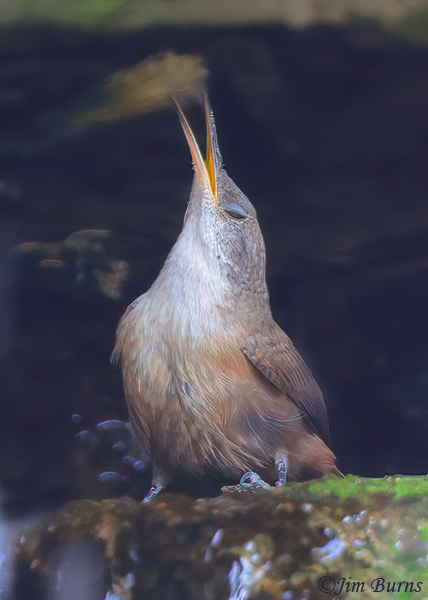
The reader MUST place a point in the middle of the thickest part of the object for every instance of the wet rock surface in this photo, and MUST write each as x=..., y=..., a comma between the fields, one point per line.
x=310, y=540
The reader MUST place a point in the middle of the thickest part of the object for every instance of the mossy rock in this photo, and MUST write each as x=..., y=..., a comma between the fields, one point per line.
x=351, y=537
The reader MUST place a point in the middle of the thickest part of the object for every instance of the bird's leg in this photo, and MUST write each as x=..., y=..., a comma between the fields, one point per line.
x=159, y=482
x=153, y=491
x=281, y=462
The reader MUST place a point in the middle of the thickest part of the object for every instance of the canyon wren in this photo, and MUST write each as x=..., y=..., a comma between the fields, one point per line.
x=214, y=386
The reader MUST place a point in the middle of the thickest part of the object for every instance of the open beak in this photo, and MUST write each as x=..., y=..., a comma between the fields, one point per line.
x=207, y=169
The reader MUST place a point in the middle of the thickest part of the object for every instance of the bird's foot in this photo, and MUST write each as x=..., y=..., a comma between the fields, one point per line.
x=153, y=491
x=250, y=481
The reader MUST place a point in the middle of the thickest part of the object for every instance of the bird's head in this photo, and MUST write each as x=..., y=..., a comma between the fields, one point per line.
x=220, y=226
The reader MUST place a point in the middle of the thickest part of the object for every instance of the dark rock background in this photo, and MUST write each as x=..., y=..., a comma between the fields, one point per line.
x=323, y=128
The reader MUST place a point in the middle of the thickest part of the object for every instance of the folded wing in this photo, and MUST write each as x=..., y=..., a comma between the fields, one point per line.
x=274, y=356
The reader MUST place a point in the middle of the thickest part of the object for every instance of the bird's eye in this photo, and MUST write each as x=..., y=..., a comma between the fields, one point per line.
x=235, y=210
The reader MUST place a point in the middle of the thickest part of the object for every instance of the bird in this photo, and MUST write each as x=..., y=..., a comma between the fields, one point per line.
x=213, y=385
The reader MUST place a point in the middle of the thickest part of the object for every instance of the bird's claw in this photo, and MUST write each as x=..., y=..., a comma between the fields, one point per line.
x=250, y=481
x=153, y=491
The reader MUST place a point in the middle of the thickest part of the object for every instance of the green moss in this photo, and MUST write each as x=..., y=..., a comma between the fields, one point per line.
x=398, y=486
x=82, y=12
x=423, y=529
